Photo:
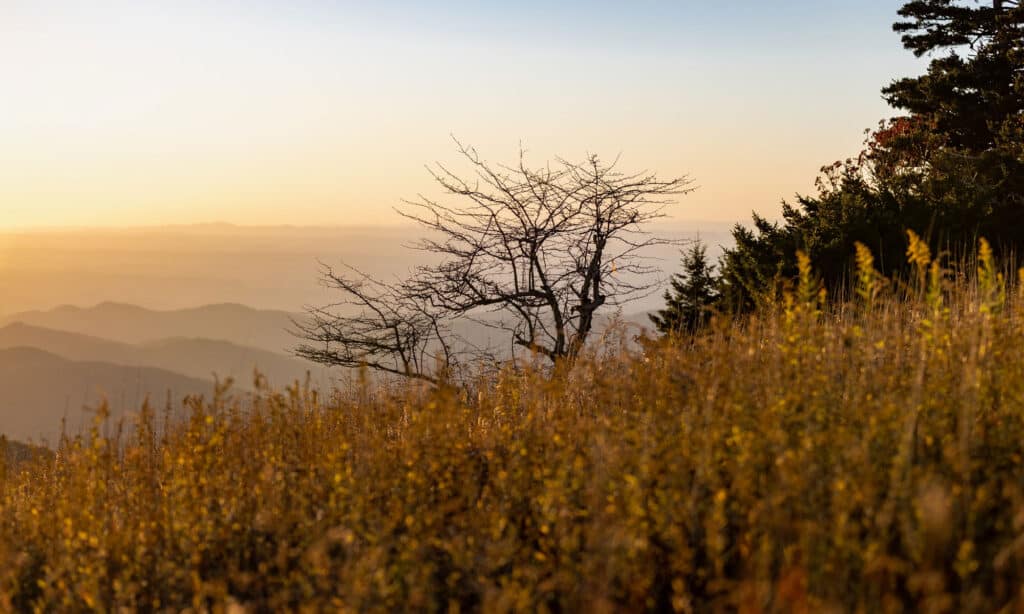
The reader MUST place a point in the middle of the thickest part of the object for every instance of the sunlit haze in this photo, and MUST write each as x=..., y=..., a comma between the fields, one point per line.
x=487, y=306
x=315, y=112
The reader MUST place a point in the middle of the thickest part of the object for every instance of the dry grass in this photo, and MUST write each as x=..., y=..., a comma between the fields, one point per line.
x=865, y=457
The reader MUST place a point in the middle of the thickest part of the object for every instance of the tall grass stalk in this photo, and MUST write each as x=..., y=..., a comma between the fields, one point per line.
x=857, y=457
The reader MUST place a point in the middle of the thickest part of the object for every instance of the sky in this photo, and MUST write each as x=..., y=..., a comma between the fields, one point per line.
x=311, y=112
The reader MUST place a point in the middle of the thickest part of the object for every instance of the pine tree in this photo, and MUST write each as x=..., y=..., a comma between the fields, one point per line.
x=974, y=87
x=951, y=167
x=689, y=300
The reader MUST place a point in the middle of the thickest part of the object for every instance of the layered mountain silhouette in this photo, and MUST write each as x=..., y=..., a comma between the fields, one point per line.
x=41, y=389
x=55, y=363
x=237, y=324
x=198, y=358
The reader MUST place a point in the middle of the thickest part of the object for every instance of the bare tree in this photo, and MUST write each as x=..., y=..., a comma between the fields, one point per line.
x=532, y=252
x=392, y=330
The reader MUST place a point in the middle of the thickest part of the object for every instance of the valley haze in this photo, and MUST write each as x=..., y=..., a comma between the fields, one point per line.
x=123, y=315
x=264, y=267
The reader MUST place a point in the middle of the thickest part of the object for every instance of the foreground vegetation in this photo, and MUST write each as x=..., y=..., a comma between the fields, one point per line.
x=861, y=457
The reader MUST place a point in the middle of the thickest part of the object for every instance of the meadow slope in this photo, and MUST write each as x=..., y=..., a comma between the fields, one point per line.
x=863, y=456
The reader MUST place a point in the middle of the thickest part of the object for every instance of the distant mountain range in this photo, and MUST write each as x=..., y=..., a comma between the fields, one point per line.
x=237, y=324
x=274, y=267
x=55, y=363
x=40, y=389
x=198, y=358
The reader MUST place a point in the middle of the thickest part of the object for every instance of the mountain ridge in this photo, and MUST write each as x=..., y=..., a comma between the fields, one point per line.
x=42, y=390
x=265, y=329
x=195, y=357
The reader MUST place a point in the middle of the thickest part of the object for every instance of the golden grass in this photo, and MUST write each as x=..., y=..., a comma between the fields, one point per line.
x=860, y=457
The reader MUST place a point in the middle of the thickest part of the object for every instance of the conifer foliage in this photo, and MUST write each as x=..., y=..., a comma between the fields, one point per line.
x=950, y=166
x=688, y=303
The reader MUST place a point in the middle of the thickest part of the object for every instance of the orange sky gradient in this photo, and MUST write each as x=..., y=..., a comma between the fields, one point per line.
x=120, y=114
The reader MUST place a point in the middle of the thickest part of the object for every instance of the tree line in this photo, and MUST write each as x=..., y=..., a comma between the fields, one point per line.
x=536, y=253
x=949, y=166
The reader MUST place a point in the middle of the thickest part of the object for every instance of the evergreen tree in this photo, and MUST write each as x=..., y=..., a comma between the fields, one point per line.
x=689, y=300
x=975, y=86
x=965, y=116
x=951, y=167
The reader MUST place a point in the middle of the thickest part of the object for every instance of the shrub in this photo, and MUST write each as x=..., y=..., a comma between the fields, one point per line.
x=864, y=456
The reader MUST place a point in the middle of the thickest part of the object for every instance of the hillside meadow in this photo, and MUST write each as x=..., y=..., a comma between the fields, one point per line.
x=862, y=455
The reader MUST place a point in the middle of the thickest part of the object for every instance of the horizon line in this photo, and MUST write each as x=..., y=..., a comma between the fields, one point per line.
x=221, y=225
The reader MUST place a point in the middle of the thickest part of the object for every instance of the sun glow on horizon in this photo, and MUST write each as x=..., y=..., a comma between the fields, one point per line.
x=126, y=115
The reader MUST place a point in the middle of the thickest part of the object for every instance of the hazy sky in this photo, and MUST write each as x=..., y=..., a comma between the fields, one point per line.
x=317, y=112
